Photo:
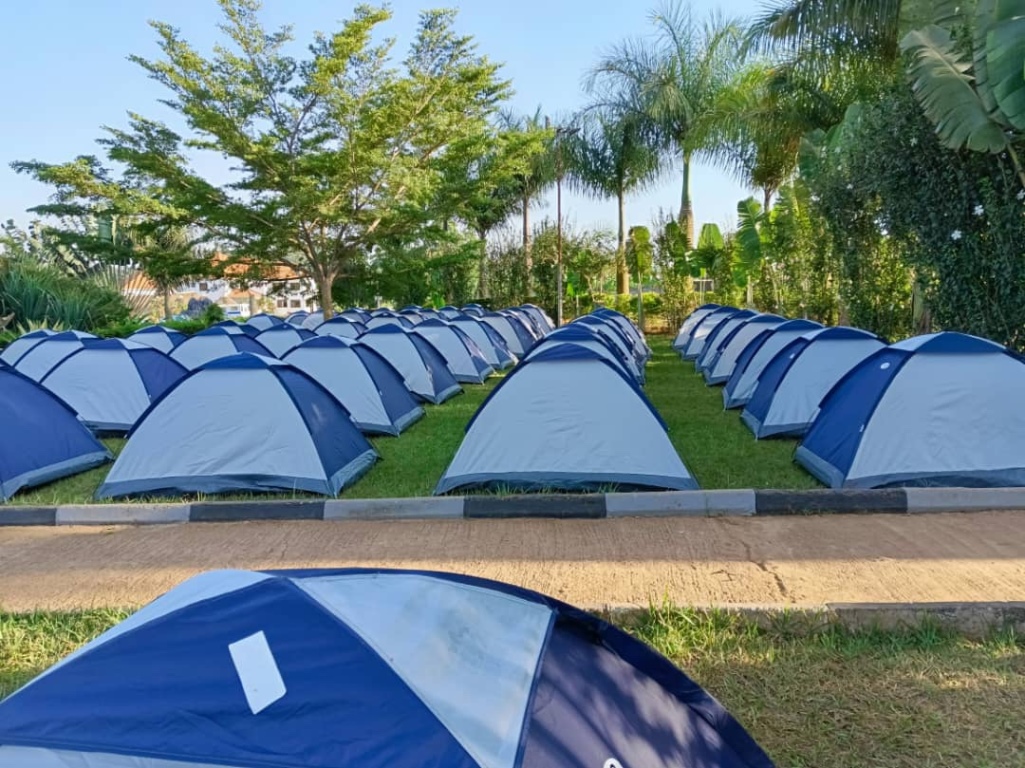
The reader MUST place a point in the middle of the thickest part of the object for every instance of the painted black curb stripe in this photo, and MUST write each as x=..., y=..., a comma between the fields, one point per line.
x=28, y=516
x=565, y=507
x=888, y=500
x=222, y=512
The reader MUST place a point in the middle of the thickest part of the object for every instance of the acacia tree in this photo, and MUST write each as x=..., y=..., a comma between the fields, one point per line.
x=610, y=158
x=332, y=153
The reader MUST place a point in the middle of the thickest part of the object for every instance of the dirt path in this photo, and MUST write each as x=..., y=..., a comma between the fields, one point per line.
x=728, y=561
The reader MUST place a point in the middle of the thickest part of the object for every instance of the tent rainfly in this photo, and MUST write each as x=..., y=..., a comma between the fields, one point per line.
x=463, y=357
x=158, y=337
x=422, y=367
x=213, y=343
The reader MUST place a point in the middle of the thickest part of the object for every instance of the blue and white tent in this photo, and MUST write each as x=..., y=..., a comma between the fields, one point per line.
x=414, y=315
x=355, y=314
x=398, y=321
x=474, y=309
x=280, y=339
x=463, y=357
x=511, y=329
x=793, y=383
x=297, y=318
x=704, y=328
x=491, y=344
x=396, y=669
x=241, y=423
x=567, y=419
x=719, y=335
x=263, y=321
x=42, y=439
x=689, y=323
x=422, y=367
x=158, y=337
x=369, y=387
x=544, y=322
x=587, y=337
x=451, y=313
x=313, y=321
x=629, y=330
x=111, y=382
x=23, y=344
x=720, y=367
x=40, y=359
x=236, y=328
x=533, y=327
x=213, y=343
x=344, y=327
x=943, y=409
x=758, y=354
x=613, y=333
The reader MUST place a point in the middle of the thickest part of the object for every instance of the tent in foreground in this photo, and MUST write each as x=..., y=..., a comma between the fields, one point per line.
x=241, y=423
x=364, y=382
x=567, y=419
x=366, y=668
x=793, y=383
x=111, y=382
x=943, y=409
x=42, y=439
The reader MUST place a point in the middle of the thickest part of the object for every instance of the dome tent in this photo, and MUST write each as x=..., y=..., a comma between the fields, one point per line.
x=511, y=329
x=158, y=337
x=943, y=409
x=42, y=439
x=236, y=328
x=263, y=321
x=312, y=321
x=282, y=338
x=567, y=419
x=704, y=328
x=355, y=314
x=40, y=359
x=241, y=423
x=719, y=335
x=533, y=327
x=474, y=309
x=793, y=383
x=491, y=344
x=614, y=335
x=213, y=343
x=332, y=668
x=589, y=338
x=758, y=354
x=695, y=317
x=369, y=387
x=381, y=320
x=111, y=382
x=422, y=367
x=297, y=318
x=541, y=317
x=720, y=367
x=629, y=330
x=463, y=357
x=23, y=344
x=449, y=312
x=344, y=327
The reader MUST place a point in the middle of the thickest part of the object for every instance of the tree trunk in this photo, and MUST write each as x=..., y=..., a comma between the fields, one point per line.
x=528, y=259
x=252, y=303
x=766, y=199
x=686, y=210
x=325, y=282
x=750, y=291
x=622, y=270
x=167, y=303
x=482, y=283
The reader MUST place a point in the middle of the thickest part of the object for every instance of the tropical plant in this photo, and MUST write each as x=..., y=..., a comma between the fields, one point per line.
x=640, y=254
x=609, y=158
x=675, y=82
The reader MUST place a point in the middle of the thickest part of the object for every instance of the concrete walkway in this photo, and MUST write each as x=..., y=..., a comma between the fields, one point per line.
x=802, y=561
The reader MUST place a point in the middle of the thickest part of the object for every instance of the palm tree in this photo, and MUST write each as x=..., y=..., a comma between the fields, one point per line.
x=676, y=83
x=539, y=176
x=610, y=158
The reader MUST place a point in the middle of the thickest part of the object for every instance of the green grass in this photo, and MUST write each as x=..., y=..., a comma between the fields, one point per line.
x=811, y=694
x=717, y=448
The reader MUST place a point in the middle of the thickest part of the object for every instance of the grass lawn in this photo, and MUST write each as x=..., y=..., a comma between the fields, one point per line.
x=717, y=448
x=811, y=697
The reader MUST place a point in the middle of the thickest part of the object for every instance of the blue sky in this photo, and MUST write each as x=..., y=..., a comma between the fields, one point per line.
x=67, y=74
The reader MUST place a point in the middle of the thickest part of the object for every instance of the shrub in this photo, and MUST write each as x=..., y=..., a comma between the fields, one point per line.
x=42, y=295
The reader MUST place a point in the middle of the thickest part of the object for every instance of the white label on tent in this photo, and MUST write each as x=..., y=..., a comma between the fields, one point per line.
x=257, y=671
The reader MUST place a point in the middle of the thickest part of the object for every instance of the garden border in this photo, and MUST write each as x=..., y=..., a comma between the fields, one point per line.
x=712, y=503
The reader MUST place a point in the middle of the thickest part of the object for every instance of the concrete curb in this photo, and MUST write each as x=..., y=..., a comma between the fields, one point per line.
x=712, y=503
x=972, y=620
